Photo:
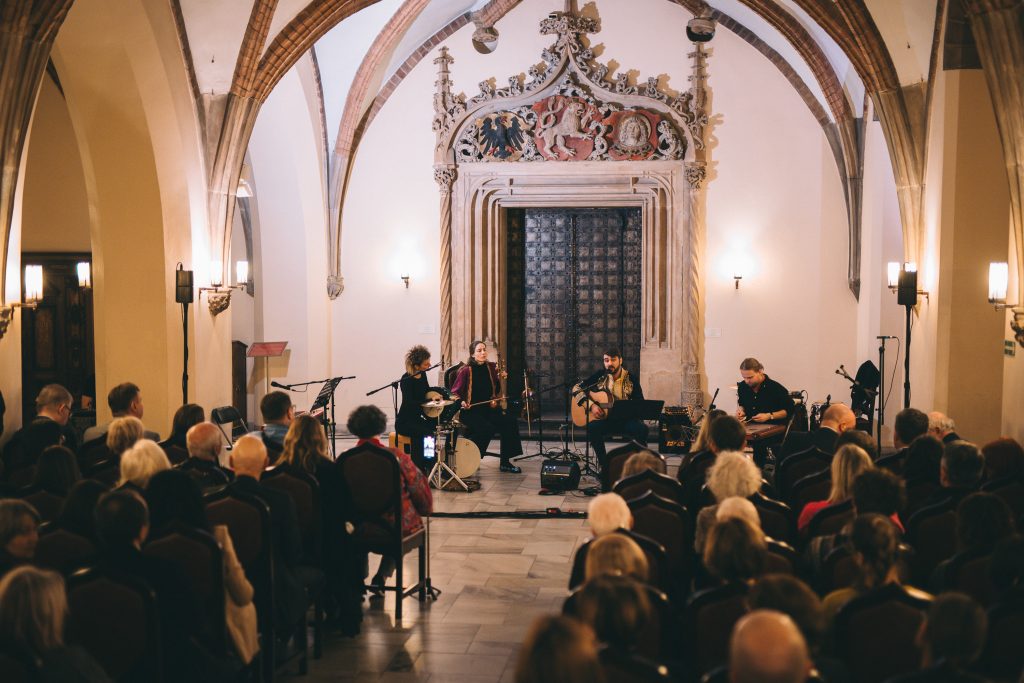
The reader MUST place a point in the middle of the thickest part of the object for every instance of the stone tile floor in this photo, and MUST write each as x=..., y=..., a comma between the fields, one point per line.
x=496, y=577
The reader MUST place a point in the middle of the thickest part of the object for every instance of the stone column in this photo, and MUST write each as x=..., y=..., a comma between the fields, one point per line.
x=445, y=176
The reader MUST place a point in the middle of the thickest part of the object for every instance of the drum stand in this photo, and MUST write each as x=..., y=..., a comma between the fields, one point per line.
x=441, y=466
x=430, y=592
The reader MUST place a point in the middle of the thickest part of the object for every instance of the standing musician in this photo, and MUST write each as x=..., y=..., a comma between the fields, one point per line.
x=477, y=384
x=761, y=400
x=410, y=421
x=622, y=386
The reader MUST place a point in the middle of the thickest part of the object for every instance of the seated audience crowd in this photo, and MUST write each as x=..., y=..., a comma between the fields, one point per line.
x=905, y=565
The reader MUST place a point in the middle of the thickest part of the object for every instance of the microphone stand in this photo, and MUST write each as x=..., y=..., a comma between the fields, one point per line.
x=881, y=390
x=331, y=384
x=394, y=390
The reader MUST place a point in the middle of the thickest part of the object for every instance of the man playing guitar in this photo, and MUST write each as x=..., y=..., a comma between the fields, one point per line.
x=604, y=387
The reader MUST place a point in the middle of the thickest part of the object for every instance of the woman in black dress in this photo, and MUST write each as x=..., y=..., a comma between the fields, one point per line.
x=410, y=421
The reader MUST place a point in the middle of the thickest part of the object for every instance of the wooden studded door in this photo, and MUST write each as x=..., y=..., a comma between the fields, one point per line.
x=574, y=292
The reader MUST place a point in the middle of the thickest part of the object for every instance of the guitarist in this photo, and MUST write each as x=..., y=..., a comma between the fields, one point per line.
x=617, y=383
x=478, y=385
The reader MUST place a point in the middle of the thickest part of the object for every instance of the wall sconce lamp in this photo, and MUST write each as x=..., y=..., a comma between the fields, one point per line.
x=33, y=295
x=998, y=284
x=405, y=279
x=218, y=296
x=84, y=271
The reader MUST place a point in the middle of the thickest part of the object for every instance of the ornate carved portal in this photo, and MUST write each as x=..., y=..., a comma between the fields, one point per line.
x=570, y=137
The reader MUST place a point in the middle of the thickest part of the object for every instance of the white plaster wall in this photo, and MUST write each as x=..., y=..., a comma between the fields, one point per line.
x=775, y=195
x=291, y=266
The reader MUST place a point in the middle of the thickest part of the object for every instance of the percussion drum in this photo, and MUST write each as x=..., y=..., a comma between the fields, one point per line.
x=440, y=405
x=467, y=458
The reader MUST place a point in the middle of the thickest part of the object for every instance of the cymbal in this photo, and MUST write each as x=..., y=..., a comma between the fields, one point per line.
x=439, y=403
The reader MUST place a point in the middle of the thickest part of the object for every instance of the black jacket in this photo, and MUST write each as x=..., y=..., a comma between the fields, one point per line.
x=770, y=398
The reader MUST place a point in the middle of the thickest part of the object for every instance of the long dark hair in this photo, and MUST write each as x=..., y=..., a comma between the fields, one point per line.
x=173, y=496
x=472, y=349
x=77, y=515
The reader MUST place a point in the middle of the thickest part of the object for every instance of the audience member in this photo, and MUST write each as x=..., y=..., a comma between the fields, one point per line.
x=733, y=474
x=861, y=439
x=848, y=462
x=942, y=426
x=19, y=533
x=278, y=412
x=140, y=462
x=837, y=419
x=735, y=551
x=122, y=525
x=249, y=460
x=33, y=609
x=910, y=424
x=78, y=514
x=559, y=649
x=703, y=440
x=618, y=555
x=125, y=400
x=959, y=473
x=1007, y=570
x=176, y=445
x=122, y=433
x=56, y=470
x=1004, y=459
x=306, y=449
x=48, y=428
x=205, y=443
x=174, y=502
x=767, y=647
x=732, y=508
x=642, y=461
x=608, y=512
x=875, y=544
x=366, y=423
x=982, y=521
x=951, y=637
x=923, y=459
x=727, y=434
x=616, y=607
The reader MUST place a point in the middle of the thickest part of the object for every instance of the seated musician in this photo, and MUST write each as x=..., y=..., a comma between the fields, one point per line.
x=477, y=385
x=410, y=421
x=622, y=386
x=761, y=400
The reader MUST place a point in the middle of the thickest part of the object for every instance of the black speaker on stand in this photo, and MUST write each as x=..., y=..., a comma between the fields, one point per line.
x=184, y=295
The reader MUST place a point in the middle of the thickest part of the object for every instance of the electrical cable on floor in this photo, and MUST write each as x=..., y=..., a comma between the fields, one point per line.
x=549, y=513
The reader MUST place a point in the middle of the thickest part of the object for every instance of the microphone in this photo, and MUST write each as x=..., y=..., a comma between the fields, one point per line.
x=433, y=366
x=885, y=336
x=280, y=386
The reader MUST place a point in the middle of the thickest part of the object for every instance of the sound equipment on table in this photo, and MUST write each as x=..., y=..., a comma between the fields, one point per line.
x=559, y=475
x=675, y=430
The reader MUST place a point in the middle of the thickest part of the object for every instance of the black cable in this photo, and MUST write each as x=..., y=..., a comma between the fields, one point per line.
x=892, y=379
x=550, y=513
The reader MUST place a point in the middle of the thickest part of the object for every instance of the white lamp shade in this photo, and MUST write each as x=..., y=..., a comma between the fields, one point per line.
x=910, y=267
x=84, y=270
x=241, y=272
x=33, y=283
x=998, y=281
x=216, y=274
x=892, y=273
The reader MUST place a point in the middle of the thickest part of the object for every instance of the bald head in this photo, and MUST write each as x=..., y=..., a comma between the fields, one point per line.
x=767, y=647
x=249, y=457
x=203, y=441
x=839, y=417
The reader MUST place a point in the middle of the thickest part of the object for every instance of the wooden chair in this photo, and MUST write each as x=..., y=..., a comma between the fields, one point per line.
x=63, y=551
x=46, y=503
x=693, y=478
x=708, y=620
x=811, y=488
x=781, y=558
x=796, y=467
x=840, y=569
x=657, y=638
x=200, y=558
x=104, y=471
x=175, y=453
x=372, y=480
x=93, y=452
x=893, y=462
x=206, y=478
x=830, y=520
x=932, y=532
x=248, y=521
x=1003, y=657
x=668, y=523
x=617, y=458
x=649, y=480
x=875, y=633
x=115, y=618
x=657, y=561
x=304, y=490
x=777, y=518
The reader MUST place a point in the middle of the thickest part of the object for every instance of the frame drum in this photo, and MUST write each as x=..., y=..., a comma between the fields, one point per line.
x=467, y=458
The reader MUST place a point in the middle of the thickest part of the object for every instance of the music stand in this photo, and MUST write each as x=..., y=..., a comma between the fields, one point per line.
x=266, y=351
x=324, y=399
x=636, y=409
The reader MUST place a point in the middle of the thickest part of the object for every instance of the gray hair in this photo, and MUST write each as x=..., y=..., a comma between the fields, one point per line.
x=940, y=422
x=733, y=474
x=33, y=606
x=607, y=513
x=123, y=432
x=735, y=507
x=204, y=440
x=53, y=395
x=142, y=461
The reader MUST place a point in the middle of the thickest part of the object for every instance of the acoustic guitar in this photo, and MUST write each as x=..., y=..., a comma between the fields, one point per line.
x=581, y=405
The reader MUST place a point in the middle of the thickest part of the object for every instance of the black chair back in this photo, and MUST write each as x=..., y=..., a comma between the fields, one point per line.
x=932, y=532
x=92, y=452
x=796, y=467
x=371, y=479
x=206, y=478
x=200, y=558
x=1010, y=490
x=918, y=492
x=638, y=484
x=693, y=477
x=969, y=573
x=875, y=633
x=781, y=558
x=630, y=667
x=115, y=618
x=47, y=504
x=811, y=488
x=63, y=551
x=669, y=524
x=1003, y=657
x=709, y=618
x=104, y=471
x=777, y=518
x=617, y=457
x=830, y=520
x=175, y=453
x=304, y=490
